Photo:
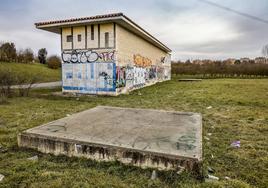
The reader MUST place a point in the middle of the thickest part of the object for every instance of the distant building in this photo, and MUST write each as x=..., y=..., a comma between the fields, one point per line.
x=108, y=54
x=198, y=62
x=202, y=62
x=229, y=61
x=244, y=60
x=261, y=60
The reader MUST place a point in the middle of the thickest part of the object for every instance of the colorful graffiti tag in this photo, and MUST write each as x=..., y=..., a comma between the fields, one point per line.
x=141, y=61
x=87, y=56
x=120, y=77
x=134, y=77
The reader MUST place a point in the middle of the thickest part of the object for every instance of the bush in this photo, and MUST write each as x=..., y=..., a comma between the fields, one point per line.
x=7, y=79
x=54, y=62
x=3, y=99
x=220, y=69
x=22, y=82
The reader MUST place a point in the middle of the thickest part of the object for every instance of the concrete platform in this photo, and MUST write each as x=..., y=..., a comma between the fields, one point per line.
x=146, y=138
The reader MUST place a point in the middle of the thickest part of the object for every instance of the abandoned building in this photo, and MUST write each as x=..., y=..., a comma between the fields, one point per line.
x=108, y=54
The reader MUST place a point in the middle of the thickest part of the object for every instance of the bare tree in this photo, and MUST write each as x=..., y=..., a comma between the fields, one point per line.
x=265, y=51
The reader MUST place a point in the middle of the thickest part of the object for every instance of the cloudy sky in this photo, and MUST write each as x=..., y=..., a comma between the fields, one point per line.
x=192, y=29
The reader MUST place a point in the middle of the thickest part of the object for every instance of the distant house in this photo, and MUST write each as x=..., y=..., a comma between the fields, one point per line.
x=244, y=60
x=202, y=62
x=229, y=61
x=108, y=54
x=261, y=60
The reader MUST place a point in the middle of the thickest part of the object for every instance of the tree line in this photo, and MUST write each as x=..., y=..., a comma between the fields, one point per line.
x=218, y=69
x=9, y=53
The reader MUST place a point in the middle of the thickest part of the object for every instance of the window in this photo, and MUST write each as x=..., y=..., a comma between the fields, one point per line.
x=79, y=38
x=106, y=39
x=69, y=38
x=92, y=32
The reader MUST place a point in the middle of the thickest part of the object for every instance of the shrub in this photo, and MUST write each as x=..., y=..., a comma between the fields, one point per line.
x=24, y=83
x=3, y=99
x=54, y=62
x=220, y=69
x=7, y=79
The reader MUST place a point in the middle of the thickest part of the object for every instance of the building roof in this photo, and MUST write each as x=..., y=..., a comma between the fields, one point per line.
x=119, y=18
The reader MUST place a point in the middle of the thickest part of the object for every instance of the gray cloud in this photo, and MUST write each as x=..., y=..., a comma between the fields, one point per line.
x=191, y=28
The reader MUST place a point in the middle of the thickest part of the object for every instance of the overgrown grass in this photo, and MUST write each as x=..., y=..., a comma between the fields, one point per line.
x=43, y=73
x=239, y=112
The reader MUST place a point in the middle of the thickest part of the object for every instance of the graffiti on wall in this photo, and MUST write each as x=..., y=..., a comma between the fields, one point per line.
x=87, y=56
x=129, y=77
x=141, y=61
x=152, y=72
x=139, y=76
x=120, y=77
x=134, y=77
x=166, y=59
x=87, y=71
x=89, y=78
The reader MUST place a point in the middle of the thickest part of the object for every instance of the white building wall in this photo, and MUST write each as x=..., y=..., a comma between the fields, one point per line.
x=129, y=62
x=65, y=33
x=79, y=31
x=110, y=29
x=95, y=42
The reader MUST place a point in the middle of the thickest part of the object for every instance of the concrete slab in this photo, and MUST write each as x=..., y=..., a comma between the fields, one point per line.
x=145, y=138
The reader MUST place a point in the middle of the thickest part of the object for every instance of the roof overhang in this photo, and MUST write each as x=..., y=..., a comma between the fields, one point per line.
x=120, y=19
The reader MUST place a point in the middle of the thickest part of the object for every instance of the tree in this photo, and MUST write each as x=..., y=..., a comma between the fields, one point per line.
x=28, y=55
x=42, y=55
x=188, y=61
x=25, y=56
x=8, y=52
x=265, y=50
x=237, y=62
x=54, y=62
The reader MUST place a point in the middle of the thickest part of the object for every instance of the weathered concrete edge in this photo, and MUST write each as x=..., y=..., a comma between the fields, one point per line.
x=99, y=152
x=198, y=115
x=149, y=109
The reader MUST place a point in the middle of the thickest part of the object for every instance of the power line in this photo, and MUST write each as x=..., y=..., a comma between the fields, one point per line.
x=235, y=11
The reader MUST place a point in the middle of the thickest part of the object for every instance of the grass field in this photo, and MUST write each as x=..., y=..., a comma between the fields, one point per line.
x=239, y=112
x=43, y=73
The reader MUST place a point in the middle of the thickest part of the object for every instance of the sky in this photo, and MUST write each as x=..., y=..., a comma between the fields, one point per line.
x=191, y=28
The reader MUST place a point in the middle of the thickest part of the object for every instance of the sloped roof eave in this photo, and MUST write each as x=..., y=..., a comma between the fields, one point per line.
x=119, y=18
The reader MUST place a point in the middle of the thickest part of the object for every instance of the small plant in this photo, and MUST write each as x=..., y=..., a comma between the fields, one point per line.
x=3, y=99
x=7, y=79
x=54, y=62
x=25, y=83
x=10, y=81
